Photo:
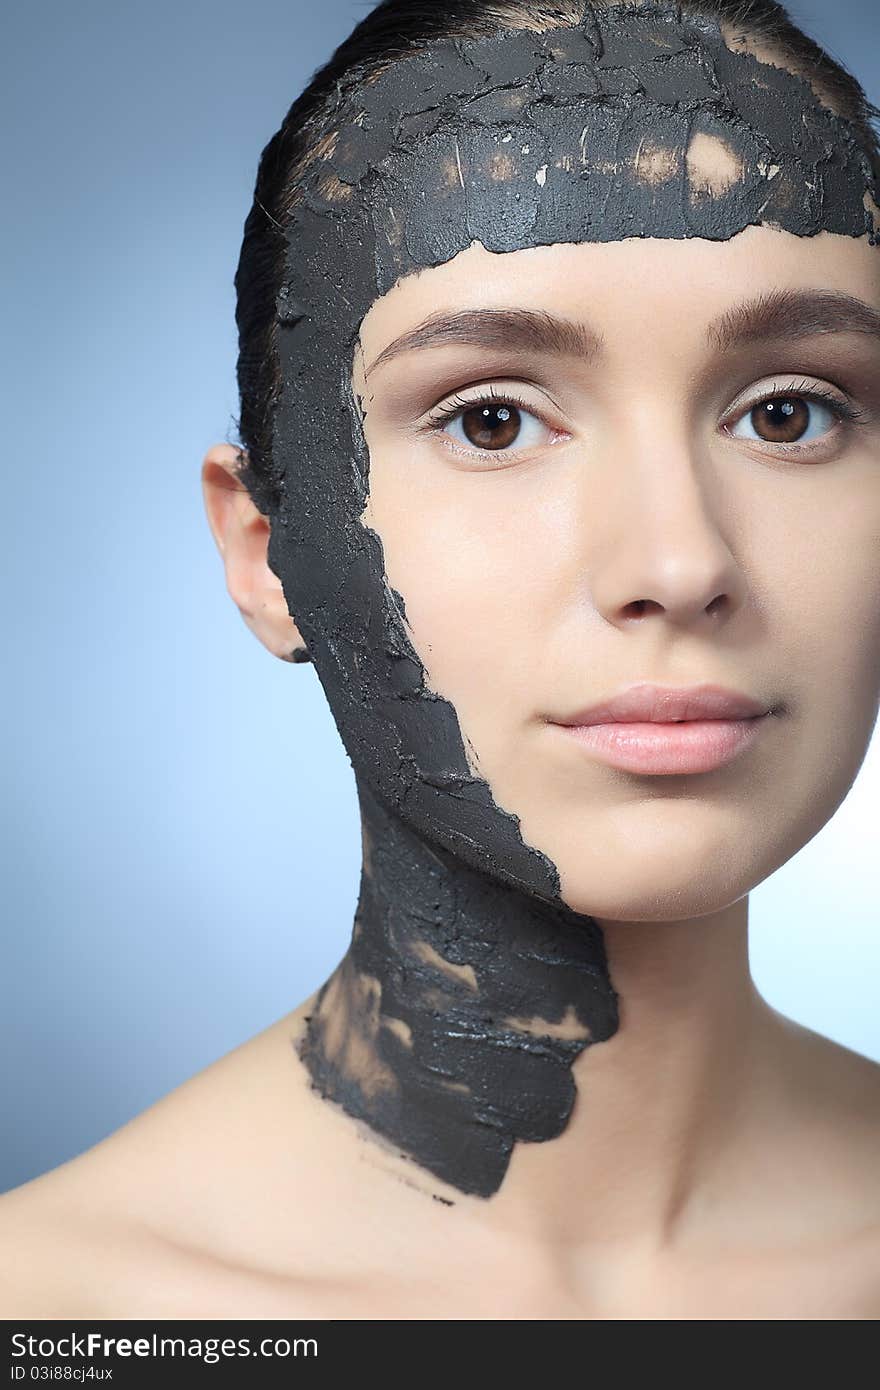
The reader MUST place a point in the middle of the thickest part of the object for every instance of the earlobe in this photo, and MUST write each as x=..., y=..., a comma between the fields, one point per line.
x=241, y=533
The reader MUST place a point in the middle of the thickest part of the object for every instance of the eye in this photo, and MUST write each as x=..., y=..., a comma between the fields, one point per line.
x=796, y=416
x=492, y=423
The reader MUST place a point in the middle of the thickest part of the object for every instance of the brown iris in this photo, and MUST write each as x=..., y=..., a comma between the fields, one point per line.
x=491, y=426
x=781, y=420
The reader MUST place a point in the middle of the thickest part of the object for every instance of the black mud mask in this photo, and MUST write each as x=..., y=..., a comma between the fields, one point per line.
x=470, y=987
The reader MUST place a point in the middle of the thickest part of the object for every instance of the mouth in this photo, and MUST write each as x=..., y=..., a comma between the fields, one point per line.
x=667, y=749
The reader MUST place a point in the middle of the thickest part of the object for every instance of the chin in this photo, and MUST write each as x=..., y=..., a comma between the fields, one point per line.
x=635, y=891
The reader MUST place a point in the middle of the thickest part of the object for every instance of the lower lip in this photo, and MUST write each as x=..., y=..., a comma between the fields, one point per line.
x=693, y=745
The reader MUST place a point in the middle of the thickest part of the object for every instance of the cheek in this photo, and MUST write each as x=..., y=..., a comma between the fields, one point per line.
x=843, y=591
x=478, y=559
x=820, y=581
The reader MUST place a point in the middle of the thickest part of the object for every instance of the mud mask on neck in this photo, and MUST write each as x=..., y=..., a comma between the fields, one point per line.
x=470, y=987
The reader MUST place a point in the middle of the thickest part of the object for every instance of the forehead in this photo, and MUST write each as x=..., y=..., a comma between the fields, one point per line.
x=639, y=293
x=628, y=125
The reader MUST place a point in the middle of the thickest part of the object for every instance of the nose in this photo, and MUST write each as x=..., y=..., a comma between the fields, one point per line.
x=665, y=532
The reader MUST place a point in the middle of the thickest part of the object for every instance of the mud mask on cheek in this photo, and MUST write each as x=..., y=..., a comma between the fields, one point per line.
x=470, y=987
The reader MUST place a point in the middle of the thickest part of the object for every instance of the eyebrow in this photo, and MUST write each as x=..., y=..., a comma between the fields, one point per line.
x=783, y=313
x=793, y=314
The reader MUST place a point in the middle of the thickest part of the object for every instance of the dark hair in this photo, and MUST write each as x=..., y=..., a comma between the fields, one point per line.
x=393, y=29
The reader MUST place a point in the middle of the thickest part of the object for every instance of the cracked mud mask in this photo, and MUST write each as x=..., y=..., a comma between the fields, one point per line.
x=470, y=987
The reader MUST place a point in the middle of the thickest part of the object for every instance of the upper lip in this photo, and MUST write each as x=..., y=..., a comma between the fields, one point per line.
x=657, y=704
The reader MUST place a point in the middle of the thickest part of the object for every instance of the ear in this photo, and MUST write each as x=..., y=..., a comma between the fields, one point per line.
x=241, y=533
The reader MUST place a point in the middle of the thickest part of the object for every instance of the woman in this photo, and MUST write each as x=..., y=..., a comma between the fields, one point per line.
x=559, y=336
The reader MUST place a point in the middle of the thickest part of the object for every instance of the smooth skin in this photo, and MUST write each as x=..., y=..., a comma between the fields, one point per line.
x=721, y=1162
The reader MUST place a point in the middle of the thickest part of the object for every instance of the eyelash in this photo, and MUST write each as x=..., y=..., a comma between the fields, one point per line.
x=442, y=414
x=848, y=412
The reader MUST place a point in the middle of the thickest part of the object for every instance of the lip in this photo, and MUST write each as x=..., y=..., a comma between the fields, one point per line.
x=646, y=703
x=662, y=730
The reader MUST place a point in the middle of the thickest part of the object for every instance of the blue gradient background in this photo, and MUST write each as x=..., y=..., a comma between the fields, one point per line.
x=181, y=845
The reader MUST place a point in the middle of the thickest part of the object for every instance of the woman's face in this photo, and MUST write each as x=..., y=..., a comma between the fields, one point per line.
x=636, y=518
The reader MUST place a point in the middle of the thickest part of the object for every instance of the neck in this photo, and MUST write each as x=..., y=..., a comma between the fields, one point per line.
x=460, y=1026
x=452, y=1022
x=674, y=1109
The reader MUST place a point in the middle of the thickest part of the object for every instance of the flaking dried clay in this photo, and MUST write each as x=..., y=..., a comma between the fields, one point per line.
x=470, y=987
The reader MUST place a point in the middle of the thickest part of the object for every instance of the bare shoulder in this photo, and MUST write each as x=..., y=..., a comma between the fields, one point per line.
x=832, y=1098
x=841, y=1083
x=61, y=1261
x=171, y=1216
x=59, y=1249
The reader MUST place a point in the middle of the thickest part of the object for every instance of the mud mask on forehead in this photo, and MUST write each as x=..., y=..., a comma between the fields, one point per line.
x=589, y=132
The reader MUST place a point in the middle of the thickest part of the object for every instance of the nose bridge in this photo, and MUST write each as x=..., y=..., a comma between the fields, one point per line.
x=665, y=541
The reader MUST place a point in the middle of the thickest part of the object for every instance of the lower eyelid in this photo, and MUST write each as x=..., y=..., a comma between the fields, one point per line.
x=509, y=452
